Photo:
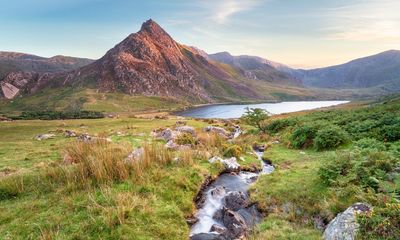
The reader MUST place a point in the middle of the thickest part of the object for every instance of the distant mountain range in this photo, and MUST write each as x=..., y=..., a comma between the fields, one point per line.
x=151, y=63
x=380, y=70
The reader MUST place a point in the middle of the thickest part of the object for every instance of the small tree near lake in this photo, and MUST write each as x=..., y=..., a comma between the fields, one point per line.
x=255, y=117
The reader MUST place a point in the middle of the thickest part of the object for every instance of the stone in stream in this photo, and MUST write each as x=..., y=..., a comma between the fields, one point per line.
x=218, y=229
x=235, y=224
x=236, y=200
x=344, y=226
x=259, y=147
x=229, y=163
x=208, y=236
x=251, y=215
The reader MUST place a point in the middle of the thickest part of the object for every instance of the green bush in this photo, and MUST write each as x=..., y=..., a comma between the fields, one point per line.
x=367, y=170
x=186, y=139
x=390, y=133
x=370, y=144
x=383, y=222
x=329, y=137
x=233, y=151
x=52, y=115
x=280, y=124
x=303, y=136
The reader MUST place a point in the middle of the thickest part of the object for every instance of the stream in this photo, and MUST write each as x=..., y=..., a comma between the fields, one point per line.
x=226, y=212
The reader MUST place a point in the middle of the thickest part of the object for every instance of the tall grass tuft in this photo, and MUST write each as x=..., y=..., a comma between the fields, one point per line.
x=97, y=161
x=153, y=154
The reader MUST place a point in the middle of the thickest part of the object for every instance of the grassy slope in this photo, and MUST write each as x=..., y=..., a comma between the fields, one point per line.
x=293, y=194
x=89, y=99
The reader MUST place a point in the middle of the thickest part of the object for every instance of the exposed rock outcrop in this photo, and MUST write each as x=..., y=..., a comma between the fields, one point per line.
x=344, y=226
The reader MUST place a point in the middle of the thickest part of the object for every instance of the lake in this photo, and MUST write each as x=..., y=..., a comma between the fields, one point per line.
x=226, y=111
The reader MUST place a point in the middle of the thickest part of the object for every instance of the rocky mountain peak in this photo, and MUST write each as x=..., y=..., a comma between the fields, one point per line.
x=152, y=28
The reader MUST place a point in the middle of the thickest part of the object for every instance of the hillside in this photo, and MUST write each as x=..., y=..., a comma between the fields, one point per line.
x=380, y=71
x=16, y=62
x=257, y=68
x=150, y=63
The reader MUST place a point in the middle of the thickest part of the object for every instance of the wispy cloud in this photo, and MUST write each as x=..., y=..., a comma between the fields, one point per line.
x=365, y=21
x=221, y=11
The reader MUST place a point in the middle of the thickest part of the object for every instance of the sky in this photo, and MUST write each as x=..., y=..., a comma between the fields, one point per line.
x=299, y=33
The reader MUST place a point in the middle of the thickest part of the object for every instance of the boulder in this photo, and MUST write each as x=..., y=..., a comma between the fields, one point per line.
x=218, y=229
x=230, y=164
x=236, y=200
x=166, y=134
x=344, y=226
x=171, y=144
x=218, y=130
x=218, y=192
x=41, y=137
x=208, y=236
x=135, y=155
x=259, y=147
x=69, y=133
x=186, y=129
x=84, y=137
x=251, y=215
x=234, y=223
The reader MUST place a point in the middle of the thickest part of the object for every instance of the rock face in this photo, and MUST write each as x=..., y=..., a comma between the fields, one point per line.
x=344, y=226
x=148, y=62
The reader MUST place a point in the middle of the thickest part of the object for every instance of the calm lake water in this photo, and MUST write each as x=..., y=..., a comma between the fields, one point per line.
x=237, y=110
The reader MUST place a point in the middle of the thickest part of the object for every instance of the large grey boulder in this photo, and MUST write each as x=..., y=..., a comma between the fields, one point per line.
x=218, y=130
x=186, y=129
x=166, y=134
x=236, y=200
x=344, y=226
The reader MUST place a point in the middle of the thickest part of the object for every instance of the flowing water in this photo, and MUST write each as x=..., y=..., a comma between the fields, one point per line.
x=237, y=110
x=215, y=193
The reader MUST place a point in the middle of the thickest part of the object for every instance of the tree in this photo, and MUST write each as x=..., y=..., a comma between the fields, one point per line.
x=255, y=117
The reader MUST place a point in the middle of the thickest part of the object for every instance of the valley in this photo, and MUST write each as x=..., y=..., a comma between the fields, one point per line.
x=138, y=186
x=160, y=140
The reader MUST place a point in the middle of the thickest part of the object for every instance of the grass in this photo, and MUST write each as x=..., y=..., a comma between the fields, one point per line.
x=101, y=195
x=70, y=99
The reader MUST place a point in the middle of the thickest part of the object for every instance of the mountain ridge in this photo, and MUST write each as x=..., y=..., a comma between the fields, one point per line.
x=151, y=63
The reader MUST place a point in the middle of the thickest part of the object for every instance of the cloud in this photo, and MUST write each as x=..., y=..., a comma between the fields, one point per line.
x=221, y=11
x=365, y=21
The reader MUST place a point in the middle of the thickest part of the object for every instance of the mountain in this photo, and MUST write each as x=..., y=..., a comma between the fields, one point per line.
x=378, y=71
x=16, y=62
x=258, y=68
x=151, y=63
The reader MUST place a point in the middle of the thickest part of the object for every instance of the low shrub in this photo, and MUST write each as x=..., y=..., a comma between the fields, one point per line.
x=390, y=133
x=367, y=170
x=380, y=223
x=329, y=137
x=280, y=124
x=186, y=139
x=52, y=115
x=370, y=144
x=233, y=151
x=303, y=136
